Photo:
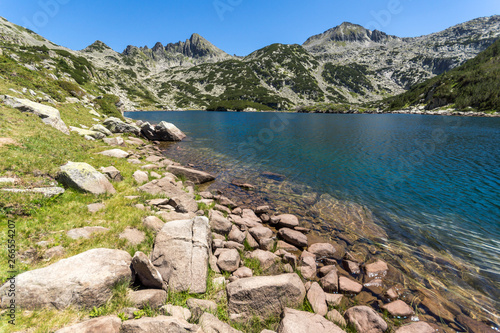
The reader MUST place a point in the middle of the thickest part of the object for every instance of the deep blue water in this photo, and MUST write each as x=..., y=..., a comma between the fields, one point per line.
x=430, y=180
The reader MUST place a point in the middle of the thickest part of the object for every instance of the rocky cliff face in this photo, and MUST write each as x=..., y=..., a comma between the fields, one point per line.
x=346, y=64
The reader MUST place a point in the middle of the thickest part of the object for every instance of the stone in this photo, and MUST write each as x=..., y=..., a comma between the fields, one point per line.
x=262, y=210
x=136, y=141
x=57, y=251
x=154, y=159
x=229, y=260
x=317, y=298
x=158, y=202
x=174, y=216
x=266, y=244
x=177, y=311
x=266, y=258
x=293, y=237
x=295, y=321
x=83, y=177
x=203, y=305
x=112, y=173
x=334, y=299
x=154, y=298
x=162, y=132
x=470, y=324
x=264, y=296
x=351, y=266
x=212, y=261
x=150, y=167
x=116, y=141
x=398, y=309
x=85, y=280
x=236, y=235
x=222, y=209
x=115, y=125
x=307, y=266
x=133, y=236
x=251, y=241
x=140, y=177
x=219, y=224
x=287, y=247
x=93, y=135
x=196, y=176
x=168, y=187
x=418, y=327
x=94, y=208
x=365, y=319
x=210, y=324
x=292, y=259
x=49, y=115
x=160, y=324
x=234, y=245
x=117, y=153
x=322, y=250
x=219, y=282
x=206, y=195
x=288, y=221
x=325, y=270
x=260, y=233
x=109, y=324
x=155, y=175
x=153, y=223
x=349, y=286
x=85, y=232
x=102, y=129
x=330, y=282
x=377, y=269
x=181, y=252
x=237, y=211
x=249, y=214
x=336, y=317
x=146, y=272
x=243, y=272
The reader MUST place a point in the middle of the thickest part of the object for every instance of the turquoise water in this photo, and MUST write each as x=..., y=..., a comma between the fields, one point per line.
x=429, y=180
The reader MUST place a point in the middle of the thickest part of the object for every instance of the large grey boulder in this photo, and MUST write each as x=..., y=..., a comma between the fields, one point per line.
x=48, y=114
x=162, y=132
x=146, y=272
x=83, y=132
x=181, y=253
x=109, y=324
x=115, y=125
x=168, y=187
x=83, y=177
x=266, y=259
x=85, y=280
x=295, y=321
x=196, y=176
x=160, y=324
x=229, y=260
x=153, y=298
x=365, y=319
x=293, y=237
x=210, y=324
x=102, y=129
x=219, y=223
x=264, y=296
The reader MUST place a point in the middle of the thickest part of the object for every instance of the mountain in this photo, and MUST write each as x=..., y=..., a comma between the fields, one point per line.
x=345, y=64
x=475, y=84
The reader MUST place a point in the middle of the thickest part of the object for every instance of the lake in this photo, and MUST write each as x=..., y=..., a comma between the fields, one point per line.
x=432, y=183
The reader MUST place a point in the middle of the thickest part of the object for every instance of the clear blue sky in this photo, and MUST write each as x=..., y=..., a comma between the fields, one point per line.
x=236, y=26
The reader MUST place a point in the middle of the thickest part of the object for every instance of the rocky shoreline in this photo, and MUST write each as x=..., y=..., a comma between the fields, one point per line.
x=237, y=263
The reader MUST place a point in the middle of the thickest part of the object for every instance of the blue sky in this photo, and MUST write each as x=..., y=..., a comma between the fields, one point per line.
x=236, y=26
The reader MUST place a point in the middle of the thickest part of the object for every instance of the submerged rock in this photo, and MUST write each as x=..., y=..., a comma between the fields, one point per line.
x=196, y=176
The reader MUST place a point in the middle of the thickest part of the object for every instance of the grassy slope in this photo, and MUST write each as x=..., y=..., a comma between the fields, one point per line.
x=475, y=84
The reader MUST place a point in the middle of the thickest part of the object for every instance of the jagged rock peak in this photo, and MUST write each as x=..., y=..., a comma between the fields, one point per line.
x=195, y=47
x=96, y=46
x=348, y=32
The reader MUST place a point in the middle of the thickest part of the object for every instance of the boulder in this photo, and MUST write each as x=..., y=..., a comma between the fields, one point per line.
x=317, y=298
x=264, y=296
x=109, y=324
x=112, y=173
x=160, y=324
x=365, y=319
x=267, y=259
x=295, y=321
x=229, y=260
x=287, y=247
x=115, y=125
x=153, y=223
x=418, y=327
x=177, y=311
x=95, y=207
x=116, y=141
x=307, y=266
x=336, y=317
x=83, y=177
x=334, y=299
x=236, y=235
x=322, y=250
x=140, y=177
x=168, y=187
x=146, y=272
x=251, y=241
x=260, y=233
x=85, y=280
x=330, y=282
x=153, y=298
x=288, y=221
x=293, y=237
x=85, y=232
x=243, y=272
x=196, y=176
x=398, y=309
x=85, y=132
x=102, y=129
x=210, y=324
x=219, y=224
x=117, y=153
x=203, y=305
x=181, y=251
x=377, y=269
x=162, y=132
x=49, y=115
x=349, y=286
x=133, y=236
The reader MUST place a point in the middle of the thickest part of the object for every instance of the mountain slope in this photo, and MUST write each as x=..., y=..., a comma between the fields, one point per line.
x=475, y=84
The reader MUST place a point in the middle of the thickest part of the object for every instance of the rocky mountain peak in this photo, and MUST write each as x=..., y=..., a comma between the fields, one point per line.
x=196, y=47
x=96, y=46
